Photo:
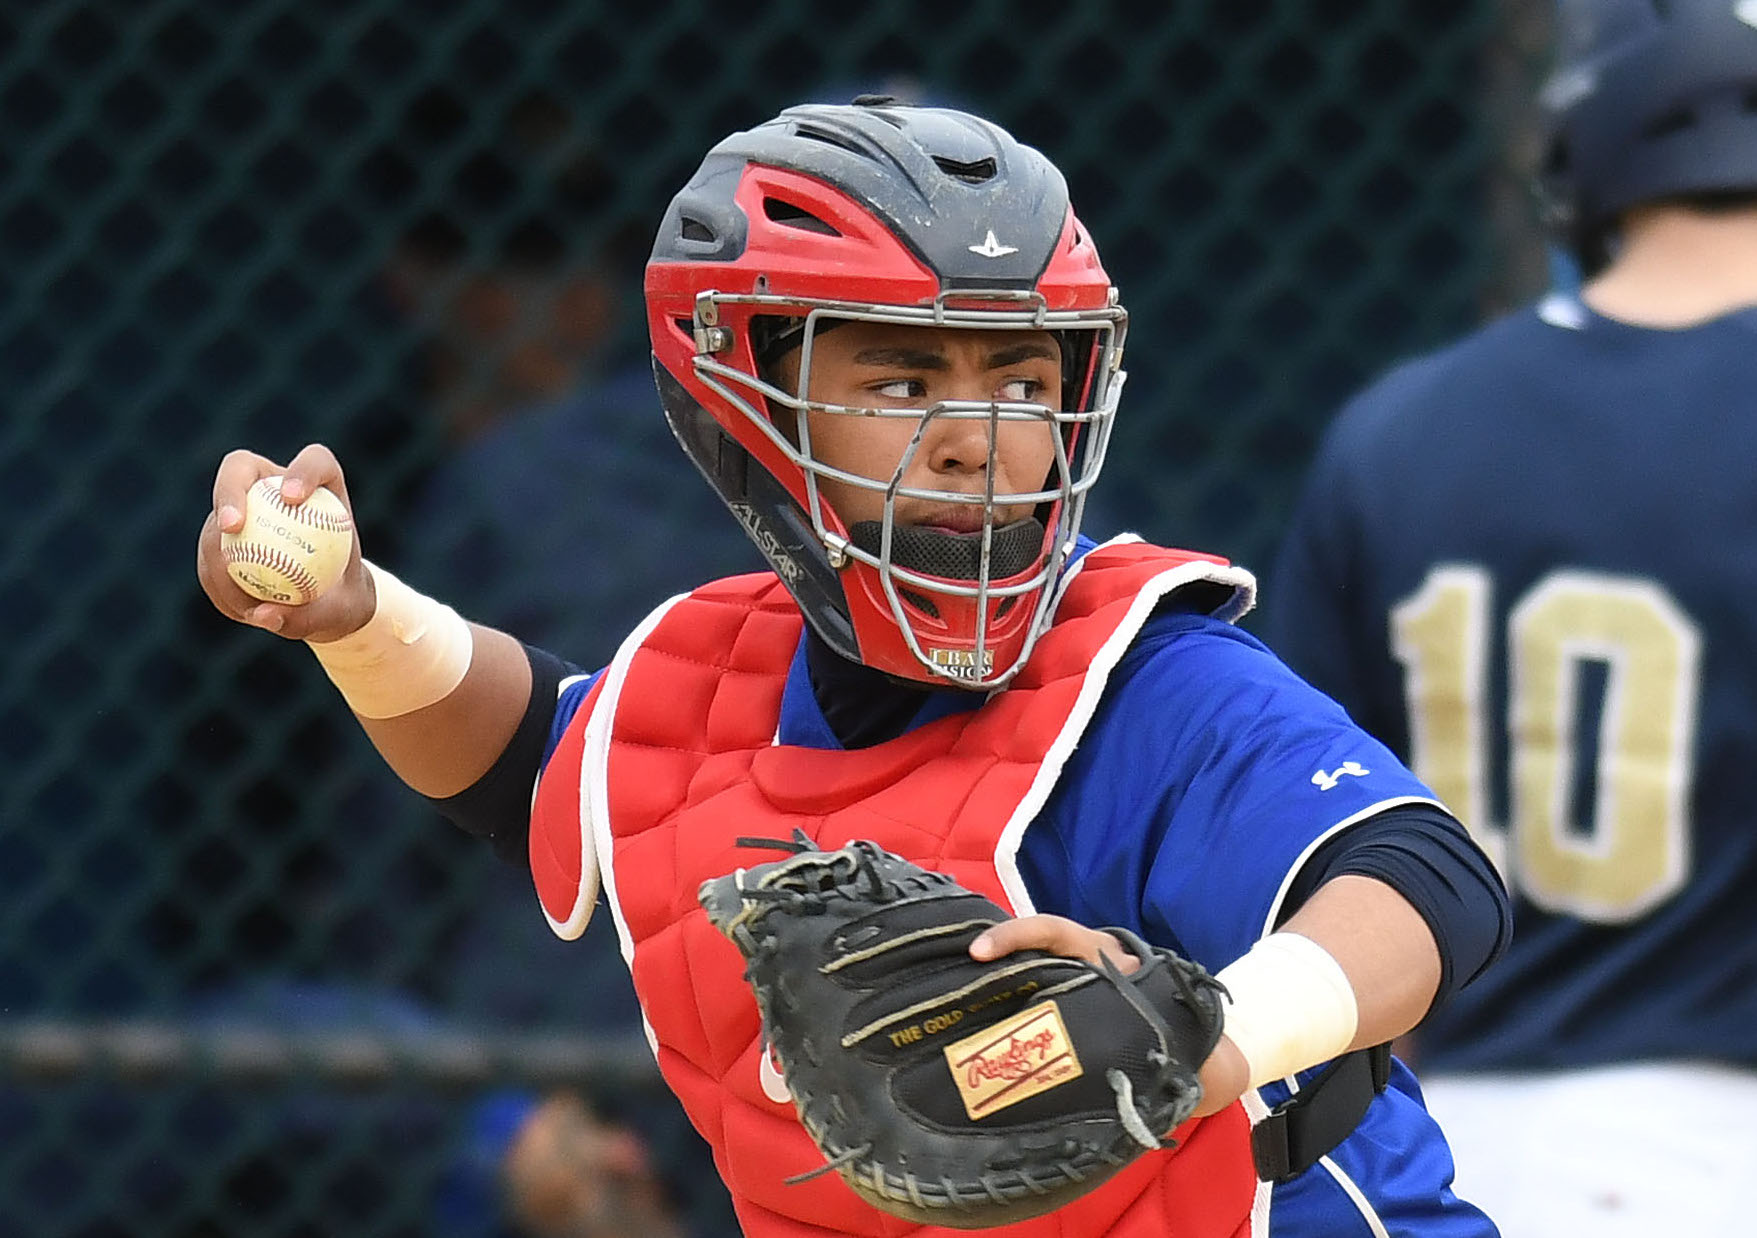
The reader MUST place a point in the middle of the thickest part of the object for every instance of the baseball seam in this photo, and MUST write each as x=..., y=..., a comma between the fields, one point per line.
x=305, y=514
x=258, y=555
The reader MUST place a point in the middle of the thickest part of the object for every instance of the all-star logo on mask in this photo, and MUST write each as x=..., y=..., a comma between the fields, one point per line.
x=992, y=248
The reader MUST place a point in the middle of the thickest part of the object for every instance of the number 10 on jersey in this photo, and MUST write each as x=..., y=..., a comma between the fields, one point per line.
x=1634, y=853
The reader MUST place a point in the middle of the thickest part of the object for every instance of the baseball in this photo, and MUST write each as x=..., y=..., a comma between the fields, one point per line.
x=288, y=554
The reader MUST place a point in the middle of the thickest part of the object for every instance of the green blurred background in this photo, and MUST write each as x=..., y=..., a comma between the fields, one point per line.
x=247, y=984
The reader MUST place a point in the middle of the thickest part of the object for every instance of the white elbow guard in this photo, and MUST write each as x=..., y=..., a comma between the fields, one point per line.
x=413, y=652
x=1290, y=1006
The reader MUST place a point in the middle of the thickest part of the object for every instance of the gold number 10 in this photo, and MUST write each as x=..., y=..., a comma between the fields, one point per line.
x=1635, y=852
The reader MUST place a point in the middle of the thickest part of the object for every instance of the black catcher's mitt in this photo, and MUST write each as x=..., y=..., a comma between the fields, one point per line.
x=942, y=1089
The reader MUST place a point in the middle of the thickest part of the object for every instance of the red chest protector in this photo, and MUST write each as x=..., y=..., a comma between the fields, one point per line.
x=677, y=741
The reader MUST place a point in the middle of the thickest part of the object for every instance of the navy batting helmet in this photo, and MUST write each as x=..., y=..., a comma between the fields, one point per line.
x=1650, y=99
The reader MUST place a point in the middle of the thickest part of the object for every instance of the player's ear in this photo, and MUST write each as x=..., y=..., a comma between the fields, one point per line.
x=775, y=342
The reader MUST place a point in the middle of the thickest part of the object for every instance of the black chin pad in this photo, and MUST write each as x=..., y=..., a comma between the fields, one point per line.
x=955, y=556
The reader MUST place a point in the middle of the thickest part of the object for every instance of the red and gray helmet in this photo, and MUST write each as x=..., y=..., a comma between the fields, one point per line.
x=884, y=213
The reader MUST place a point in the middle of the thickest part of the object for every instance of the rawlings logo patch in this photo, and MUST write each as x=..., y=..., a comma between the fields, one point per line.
x=1010, y=1061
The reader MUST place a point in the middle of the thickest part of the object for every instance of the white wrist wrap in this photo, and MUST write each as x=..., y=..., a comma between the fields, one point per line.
x=1291, y=1006
x=411, y=653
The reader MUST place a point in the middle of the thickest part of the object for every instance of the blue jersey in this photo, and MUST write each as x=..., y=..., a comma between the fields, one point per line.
x=1529, y=564
x=1207, y=775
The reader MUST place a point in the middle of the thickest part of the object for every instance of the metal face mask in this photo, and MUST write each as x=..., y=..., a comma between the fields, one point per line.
x=968, y=605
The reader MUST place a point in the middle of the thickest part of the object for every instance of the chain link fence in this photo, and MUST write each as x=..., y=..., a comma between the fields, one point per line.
x=248, y=985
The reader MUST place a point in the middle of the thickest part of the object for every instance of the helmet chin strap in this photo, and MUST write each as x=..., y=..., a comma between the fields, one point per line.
x=955, y=556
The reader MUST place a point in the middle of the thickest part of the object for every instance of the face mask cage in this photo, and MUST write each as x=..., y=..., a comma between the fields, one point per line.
x=988, y=574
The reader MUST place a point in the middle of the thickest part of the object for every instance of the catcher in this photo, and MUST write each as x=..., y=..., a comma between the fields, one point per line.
x=896, y=778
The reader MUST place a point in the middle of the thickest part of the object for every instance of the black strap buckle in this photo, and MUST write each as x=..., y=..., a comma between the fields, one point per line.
x=1307, y=1125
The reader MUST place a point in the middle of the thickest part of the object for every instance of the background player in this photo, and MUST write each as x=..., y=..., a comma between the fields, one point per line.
x=1529, y=563
x=888, y=344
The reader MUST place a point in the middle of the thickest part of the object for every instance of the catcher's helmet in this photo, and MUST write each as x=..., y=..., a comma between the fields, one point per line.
x=884, y=213
x=1649, y=99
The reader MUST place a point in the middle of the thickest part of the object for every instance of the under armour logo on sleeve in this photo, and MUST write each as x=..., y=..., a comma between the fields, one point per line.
x=1324, y=780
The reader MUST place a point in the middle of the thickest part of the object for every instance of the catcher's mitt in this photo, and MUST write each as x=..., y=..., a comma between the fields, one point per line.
x=946, y=1090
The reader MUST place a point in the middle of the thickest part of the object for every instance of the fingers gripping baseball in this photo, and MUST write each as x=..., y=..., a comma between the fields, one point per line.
x=313, y=608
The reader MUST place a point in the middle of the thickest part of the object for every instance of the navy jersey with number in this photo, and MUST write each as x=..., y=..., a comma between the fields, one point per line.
x=1529, y=564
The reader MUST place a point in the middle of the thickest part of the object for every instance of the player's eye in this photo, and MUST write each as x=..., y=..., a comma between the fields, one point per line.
x=1024, y=390
x=900, y=389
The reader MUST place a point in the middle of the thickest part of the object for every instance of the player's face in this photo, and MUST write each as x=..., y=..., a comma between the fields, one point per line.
x=883, y=365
